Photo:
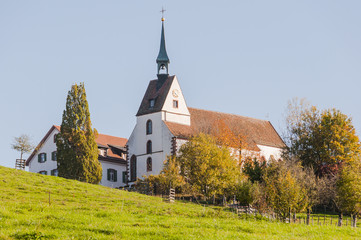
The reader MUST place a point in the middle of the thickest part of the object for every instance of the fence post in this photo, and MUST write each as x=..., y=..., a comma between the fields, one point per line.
x=340, y=219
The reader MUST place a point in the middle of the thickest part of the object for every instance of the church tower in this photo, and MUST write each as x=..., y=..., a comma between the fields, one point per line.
x=163, y=103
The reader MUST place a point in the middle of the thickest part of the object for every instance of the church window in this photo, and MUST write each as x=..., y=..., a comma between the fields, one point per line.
x=41, y=157
x=175, y=103
x=149, y=147
x=54, y=172
x=53, y=156
x=151, y=103
x=43, y=172
x=149, y=164
x=133, y=168
x=149, y=127
x=112, y=175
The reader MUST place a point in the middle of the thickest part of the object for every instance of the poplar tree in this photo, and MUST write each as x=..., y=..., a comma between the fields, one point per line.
x=77, y=151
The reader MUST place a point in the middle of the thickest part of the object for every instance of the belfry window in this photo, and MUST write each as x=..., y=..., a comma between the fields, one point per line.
x=175, y=103
x=149, y=147
x=149, y=127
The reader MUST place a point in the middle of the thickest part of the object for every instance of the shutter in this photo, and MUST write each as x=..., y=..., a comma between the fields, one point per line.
x=108, y=174
x=44, y=157
x=115, y=175
x=39, y=158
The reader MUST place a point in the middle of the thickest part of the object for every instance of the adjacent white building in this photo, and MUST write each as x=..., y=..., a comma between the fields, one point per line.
x=112, y=156
x=165, y=122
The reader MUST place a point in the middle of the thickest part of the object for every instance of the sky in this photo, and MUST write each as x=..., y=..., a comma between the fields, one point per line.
x=242, y=57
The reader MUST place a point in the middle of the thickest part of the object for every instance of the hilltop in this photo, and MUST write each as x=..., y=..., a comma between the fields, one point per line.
x=85, y=211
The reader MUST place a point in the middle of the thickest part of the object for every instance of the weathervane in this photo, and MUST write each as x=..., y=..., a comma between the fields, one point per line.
x=162, y=11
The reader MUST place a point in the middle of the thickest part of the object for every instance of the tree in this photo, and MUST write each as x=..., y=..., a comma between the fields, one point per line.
x=283, y=190
x=22, y=144
x=207, y=168
x=77, y=151
x=254, y=169
x=348, y=189
x=320, y=139
x=170, y=176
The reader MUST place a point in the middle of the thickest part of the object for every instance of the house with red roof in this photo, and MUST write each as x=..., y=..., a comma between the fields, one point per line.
x=112, y=156
x=165, y=122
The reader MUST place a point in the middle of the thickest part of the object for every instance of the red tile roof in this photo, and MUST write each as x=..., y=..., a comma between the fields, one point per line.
x=255, y=131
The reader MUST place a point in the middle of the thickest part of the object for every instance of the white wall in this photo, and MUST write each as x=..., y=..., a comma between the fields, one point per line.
x=120, y=169
x=267, y=151
x=48, y=147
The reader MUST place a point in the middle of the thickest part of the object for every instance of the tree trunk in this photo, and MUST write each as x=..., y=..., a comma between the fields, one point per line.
x=308, y=216
x=340, y=219
x=289, y=214
x=294, y=217
x=354, y=220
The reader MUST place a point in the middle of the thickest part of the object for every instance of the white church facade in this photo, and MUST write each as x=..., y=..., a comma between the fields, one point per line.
x=165, y=122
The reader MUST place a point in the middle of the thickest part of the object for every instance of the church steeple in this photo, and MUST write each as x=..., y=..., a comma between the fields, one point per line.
x=162, y=59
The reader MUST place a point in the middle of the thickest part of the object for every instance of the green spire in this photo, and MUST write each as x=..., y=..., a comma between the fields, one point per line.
x=162, y=59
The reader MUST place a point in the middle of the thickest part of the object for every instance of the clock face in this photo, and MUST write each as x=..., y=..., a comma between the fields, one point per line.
x=175, y=93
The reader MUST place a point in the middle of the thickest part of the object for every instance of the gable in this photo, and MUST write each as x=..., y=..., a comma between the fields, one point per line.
x=175, y=94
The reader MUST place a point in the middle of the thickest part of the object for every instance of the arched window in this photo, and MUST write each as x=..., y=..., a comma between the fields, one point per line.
x=149, y=164
x=149, y=147
x=133, y=168
x=149, y=127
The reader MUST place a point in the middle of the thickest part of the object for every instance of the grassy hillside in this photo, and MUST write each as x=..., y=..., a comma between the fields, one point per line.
x=85, y=211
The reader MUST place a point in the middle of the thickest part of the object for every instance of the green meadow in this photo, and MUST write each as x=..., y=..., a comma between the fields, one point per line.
x=84, y=211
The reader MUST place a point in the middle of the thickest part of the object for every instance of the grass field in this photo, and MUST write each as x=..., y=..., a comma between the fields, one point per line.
x=85, y=211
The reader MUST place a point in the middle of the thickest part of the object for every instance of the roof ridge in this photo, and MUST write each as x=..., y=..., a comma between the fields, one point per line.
x=111, y=136
x=232, y=114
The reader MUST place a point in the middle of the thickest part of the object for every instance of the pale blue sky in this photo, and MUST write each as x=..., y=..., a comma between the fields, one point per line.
x=242, y=57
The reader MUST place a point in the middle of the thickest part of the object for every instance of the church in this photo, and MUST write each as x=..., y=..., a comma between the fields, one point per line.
x=165, y=122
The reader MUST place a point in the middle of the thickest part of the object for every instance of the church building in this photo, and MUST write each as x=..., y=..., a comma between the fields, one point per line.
x=165, y=122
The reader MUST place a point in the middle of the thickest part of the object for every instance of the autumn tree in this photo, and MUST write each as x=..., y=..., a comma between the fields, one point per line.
x=284, y=191
x=22, y=144
x=170, y=176
x=207, y=167
x=77, y=151
x=322, y=140
x=348, y=189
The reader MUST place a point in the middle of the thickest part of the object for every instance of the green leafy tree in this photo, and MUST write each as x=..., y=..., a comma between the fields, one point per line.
x=77, y=151
x=254, y=169
x=22, y=144
x=321, y=139
x=206, y=167
x=348, y=189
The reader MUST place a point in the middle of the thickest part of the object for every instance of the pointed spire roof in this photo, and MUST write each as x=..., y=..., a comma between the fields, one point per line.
x=162, y=56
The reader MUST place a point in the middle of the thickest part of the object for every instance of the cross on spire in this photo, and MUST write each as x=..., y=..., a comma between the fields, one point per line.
x=162, y=11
